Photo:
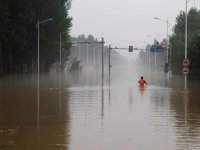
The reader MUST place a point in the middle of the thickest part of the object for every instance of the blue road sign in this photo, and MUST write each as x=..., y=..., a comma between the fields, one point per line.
x=157, y=49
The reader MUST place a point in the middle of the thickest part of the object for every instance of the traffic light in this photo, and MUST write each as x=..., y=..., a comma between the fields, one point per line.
x=130, y=49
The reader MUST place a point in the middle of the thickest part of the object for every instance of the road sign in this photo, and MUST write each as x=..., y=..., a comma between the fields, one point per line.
x=185, y=70
x=186, y=62
x=156, y=49
x=130, y=48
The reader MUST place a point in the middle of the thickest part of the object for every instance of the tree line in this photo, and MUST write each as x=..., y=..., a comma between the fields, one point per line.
x=177, y=45
x=19, y=32
x=177, y=42
x=18, y=36
x=91, y=53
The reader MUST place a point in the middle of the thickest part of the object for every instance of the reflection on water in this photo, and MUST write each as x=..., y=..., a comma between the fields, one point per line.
x=133, y=118
x=187, y=108
x=95, y=118
x=36, y=119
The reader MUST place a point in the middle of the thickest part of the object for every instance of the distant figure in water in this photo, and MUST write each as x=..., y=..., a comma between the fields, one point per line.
x=142, y=82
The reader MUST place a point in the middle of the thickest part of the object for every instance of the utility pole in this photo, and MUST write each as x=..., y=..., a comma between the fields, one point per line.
x=130, y=49
x=167, y=47
x=185, y=85
x=38, y=28
x=102, y=42
x=109, y=66
x=60, y=50
x=102, y=45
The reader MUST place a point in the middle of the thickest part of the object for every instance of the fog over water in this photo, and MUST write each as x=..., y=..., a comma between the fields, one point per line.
x=83, y=115
x=69, y=73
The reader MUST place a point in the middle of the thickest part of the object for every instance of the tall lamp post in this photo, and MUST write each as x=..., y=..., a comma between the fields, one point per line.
x=60, y=57
x=102, y=65
x=102, y=45
x=186, y=40
x=130, y=49
x=186, y=30
x=94, y=51
x=167, y=61
x=79, y=51
x=38, y=27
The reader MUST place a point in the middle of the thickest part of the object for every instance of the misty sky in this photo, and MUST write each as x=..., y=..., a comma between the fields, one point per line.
x=126, y=22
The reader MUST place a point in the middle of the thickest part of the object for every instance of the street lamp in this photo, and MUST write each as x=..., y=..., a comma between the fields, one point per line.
x=155, y=54
x=94, y=52
x=102, y=45
x=38, y=27
x=102, y=58
x=186, y=30
x=79, y=49
x=186, y=40
x=166, y=21
x=130, y=49
x=60, y=57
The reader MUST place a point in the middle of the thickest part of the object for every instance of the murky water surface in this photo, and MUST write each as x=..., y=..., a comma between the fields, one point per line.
x=92, y=118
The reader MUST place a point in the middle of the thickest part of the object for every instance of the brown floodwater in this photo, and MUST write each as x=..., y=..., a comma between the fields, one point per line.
x=32, y=119
x=157, y=117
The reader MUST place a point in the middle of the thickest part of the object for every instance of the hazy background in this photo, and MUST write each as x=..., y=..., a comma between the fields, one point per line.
x=126, y=22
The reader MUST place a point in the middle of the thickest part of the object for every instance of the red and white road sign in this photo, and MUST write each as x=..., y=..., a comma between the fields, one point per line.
x=186, y=62
x=185, y=71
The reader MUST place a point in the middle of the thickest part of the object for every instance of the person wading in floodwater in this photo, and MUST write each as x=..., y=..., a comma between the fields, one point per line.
x=142, y=82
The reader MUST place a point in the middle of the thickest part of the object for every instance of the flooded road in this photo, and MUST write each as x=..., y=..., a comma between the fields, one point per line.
x=94, y=118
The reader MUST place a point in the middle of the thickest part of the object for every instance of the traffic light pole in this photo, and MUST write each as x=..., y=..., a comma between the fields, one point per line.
x=109, y=66
x=102, y=43
x=130, y=49
x=185, y=76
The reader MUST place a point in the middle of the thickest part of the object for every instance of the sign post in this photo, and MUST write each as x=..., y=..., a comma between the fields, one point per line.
x=157, y=49
x=186, y=63
x=185, y=71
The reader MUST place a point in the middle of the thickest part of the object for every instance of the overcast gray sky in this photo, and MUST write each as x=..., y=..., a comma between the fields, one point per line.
x=126, y=22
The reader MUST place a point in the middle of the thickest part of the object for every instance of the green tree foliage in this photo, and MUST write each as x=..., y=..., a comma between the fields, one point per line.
x=177, y=41
x=194, y=54
x=94, y=53
x=18, y=34
x=93, y=44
